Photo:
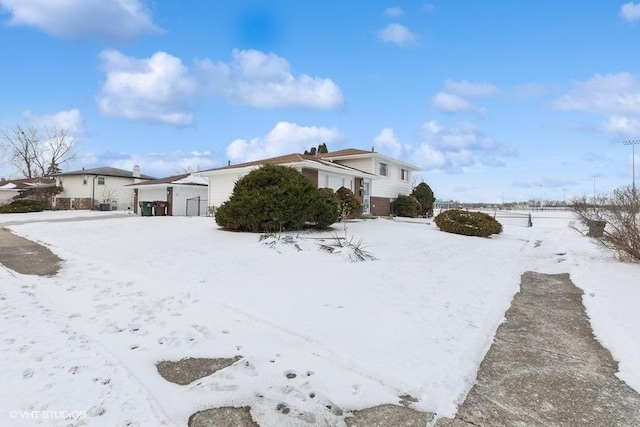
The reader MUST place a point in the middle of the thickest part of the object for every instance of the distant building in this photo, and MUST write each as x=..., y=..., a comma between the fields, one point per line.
x=90, y=188
x=11, y=188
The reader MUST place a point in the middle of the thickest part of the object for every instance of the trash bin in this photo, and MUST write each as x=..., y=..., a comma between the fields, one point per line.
x=146, y=208
x=161, y=208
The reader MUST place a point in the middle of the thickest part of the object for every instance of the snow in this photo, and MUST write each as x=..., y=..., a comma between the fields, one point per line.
x=418, y=320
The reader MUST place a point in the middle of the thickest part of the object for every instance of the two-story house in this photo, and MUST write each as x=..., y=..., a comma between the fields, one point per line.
x=92, y=188
x=376, y=179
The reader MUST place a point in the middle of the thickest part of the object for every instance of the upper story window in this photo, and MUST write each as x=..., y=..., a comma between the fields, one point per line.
x=382, y=169
x=404, y=175
x=84, y=180
x=101, y=180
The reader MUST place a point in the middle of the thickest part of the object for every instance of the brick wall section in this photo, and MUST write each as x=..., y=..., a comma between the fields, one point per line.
x=78, y=204
x=380, y=206
x=312, y=175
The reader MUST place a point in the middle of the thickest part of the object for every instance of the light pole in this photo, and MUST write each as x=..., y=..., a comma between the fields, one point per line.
x=633, y=143
x=594, y=176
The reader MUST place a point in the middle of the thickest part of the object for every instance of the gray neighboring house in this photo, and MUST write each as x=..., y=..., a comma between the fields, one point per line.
x=103, y=188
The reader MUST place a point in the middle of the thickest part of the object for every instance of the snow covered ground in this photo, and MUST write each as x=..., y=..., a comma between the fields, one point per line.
x=418, y=320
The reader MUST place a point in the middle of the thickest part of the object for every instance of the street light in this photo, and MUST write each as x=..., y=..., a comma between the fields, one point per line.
x=594, y=176
x=633, y=143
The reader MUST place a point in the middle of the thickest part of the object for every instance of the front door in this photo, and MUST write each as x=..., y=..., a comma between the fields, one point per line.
x=366, y=197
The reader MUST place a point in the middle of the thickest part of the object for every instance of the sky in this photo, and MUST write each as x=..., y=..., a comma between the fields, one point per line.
x=494, y=101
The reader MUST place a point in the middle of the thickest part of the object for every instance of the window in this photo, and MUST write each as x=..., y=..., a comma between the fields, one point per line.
x=84, y=180
x=404, y=175
x=101, y=180
x=382, y=170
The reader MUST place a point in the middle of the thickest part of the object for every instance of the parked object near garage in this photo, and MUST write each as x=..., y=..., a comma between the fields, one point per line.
x=146, y=208
x=161, y=208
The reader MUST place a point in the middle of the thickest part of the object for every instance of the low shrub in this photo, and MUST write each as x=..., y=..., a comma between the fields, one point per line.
x=350, y=206
x=407, y=206
x=22, y=205
x=468, y=223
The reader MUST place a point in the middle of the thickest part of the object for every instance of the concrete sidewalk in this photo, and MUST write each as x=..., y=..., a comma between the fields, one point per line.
x=545, y=368
x=27, y=257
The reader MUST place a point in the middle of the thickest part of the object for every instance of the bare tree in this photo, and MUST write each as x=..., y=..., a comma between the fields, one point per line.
x=613, y=220
x=20, y=146
x=33, y=155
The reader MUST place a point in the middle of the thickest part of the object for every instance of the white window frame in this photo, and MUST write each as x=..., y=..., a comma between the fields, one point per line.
x=404, y=174
x=101, y=178
x=383, y=167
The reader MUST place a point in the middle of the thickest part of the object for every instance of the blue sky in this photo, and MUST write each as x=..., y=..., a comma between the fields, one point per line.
x=495, y=100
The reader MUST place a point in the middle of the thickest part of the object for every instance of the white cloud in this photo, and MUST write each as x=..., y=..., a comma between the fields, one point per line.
x=398, y=34
x=70, y=120
x=630, y=11
x=450, y=103
x=388, y=143
x=161, y=88
x=393, y=12
x=605, y=94
x=264, y=80
x=284, y=138
x=469, y=89
x=457, y=148
x=99, y=19
x=614, y=96
x=155, y=164
x=155, y=89
x=455, y=99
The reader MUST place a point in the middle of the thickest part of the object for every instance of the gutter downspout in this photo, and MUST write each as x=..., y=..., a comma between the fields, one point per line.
x=93, y=193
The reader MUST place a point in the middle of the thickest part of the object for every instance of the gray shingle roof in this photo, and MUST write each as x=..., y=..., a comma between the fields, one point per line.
x=104, y=171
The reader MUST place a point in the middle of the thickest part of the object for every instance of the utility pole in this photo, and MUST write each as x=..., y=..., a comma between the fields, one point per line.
x=594, y=176
x=633, y=143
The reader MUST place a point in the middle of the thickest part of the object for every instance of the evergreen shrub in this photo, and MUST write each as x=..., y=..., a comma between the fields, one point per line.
x=350, y=206
x=407, y=206
x=22, y=205
x=423, y=193
x=468, y=223
x=271, y=199
x=327, y=208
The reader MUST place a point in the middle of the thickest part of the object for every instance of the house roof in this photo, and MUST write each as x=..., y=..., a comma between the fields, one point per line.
x=184, y=179
x=104, y=171
x=299, y=159
x=26, y=183
x=287, y=158
x=354, y=153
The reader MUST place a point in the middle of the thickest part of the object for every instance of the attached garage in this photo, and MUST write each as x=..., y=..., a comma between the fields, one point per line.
x=180, y=195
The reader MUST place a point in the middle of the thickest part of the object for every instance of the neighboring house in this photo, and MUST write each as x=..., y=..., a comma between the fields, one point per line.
x=374, y=178
x=11, y=188
x=98, y=187
x=184, y=194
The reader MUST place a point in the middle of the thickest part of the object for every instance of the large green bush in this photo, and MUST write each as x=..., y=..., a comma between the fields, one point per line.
x=271, y=199
x=22, y=205
x=423, y=193
x=407, y=206
x=350, y=206
x=468, y=223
